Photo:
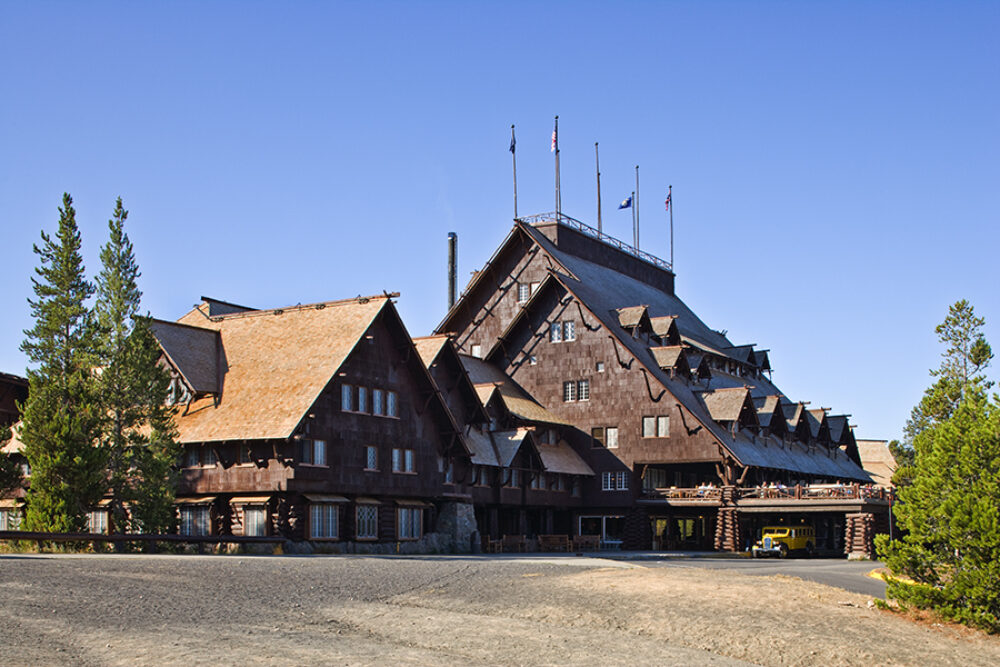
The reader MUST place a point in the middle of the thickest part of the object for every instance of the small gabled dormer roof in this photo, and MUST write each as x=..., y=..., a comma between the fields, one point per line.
x=761, y=360
x=818, y=427
x=730, y=405
x=839, y=429
x=672, y=358
x=666, y=328
x=741, y=353
x=493, y=385
x=560, y=458
x=770, y=414
x=634, y=317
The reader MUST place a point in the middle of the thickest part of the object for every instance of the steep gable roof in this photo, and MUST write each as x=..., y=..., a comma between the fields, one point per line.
x=729, y=405
x=877, y=461
x=672, y=358
x=561, y=458
x=634, y=316
x=441, y=349
x=274, y=365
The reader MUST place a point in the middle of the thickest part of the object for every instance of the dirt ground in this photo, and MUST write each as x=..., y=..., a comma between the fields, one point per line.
x=126, y=610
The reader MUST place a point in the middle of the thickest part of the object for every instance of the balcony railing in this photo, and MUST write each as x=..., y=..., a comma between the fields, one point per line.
x=777, y=492
x=584, y=228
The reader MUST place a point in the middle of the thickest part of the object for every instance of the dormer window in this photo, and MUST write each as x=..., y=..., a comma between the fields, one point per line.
x=523, y=292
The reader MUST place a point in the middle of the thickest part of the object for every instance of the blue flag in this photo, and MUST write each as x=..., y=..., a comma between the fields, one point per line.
x=627, y=203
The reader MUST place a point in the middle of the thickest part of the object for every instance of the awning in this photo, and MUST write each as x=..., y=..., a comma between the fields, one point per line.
x=367, y=501
x=205, y=500
x=11, y=502
x=324, y=498
x=104, y=502
x=250, y=500
x=413, y=503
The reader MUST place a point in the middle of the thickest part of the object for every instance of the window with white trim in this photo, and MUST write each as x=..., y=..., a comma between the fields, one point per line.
x=402, y=460
x=555, y=332
x=367, y=520
x=569, y=391
x=611, y=435
x=600, y=366
x=255, y=520
x=477, y=351
x=583, y=390
x=656, y=427
x=523, y=292
x=409, y=523
x=378, y=402
x=614, y=481
x=324, y=521
x=371, y=457
x=347, y=398
x=569, y=331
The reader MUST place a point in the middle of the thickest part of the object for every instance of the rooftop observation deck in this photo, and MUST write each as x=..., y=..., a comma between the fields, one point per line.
x=541, y=219
x=802, y=498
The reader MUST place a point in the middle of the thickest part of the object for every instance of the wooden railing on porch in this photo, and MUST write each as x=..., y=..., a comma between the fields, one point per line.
x=778, y=492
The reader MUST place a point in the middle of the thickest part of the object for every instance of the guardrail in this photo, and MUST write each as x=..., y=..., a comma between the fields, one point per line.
x=584, y=228
x=150, y=538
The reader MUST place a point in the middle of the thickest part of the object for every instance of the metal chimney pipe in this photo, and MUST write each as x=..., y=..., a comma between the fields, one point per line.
x=452, y=269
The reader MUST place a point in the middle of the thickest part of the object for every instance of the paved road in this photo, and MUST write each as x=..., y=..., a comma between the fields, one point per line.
x=849, y=575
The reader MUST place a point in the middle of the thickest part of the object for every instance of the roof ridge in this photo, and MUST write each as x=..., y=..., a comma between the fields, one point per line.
x=320, y=305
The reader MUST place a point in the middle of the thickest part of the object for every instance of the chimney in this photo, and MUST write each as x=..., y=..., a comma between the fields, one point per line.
x=452, y=269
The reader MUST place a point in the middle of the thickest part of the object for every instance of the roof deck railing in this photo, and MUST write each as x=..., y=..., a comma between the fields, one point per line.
x=584, y=228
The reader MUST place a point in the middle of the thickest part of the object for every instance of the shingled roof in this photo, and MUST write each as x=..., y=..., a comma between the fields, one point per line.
x=560, y=458
x=490, y=381
x=193, y=351
x=273, y=365
x=726, y=405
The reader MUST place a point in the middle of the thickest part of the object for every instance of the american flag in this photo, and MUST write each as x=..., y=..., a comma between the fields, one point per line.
x=668, y=202
x=555, y=140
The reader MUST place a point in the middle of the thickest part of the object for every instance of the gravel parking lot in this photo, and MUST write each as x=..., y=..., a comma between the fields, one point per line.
x=118, y=610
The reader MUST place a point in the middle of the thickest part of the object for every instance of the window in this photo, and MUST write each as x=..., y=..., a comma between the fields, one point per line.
x=523, y=292
x=583, y=390
x=243, y=455
x=536, y=481
x=390, y=404
x=656, y=427
x=447, y=468
x=314, y=452
x=371, y=457
x=195, y=520
x=515, y=479
x=193, y=457
x=555, y=332
x=569, y=331
x=532, y=360
x=362, y=399
x=347, y=398
x=600, y=366
x=10, y=519
x=255, y=520
x=614, y=481
x=655, y=478
x=324, y=521
x=569, y=391
x=409, y=522
x=477, y=351
x=97, y=522
x=534, y=287
x=402, y=460
x=612, y=437
x=597, y=434
x=210, y=458
x=367, y=522
x=378, y=402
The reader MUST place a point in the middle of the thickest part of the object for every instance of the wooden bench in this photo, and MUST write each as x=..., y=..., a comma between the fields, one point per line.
x=586, y=542
x=513, y=542
x=491, y=546
x=553, y=542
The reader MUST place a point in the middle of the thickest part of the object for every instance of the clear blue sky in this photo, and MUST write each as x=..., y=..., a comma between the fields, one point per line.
x=835, y=165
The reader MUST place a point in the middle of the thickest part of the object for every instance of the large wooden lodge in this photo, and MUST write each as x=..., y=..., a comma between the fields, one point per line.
x=568, y=393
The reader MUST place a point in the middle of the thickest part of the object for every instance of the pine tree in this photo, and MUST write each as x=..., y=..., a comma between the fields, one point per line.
x=61, y=415
x=950, y=508
x=137, y=433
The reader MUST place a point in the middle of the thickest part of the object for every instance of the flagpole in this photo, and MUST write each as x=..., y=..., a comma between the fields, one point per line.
x=513, y=159
x=555, y=145
x=635, y=232
x=670, y=198
x=597, y=160
x=635, y=206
